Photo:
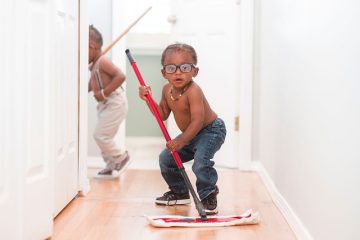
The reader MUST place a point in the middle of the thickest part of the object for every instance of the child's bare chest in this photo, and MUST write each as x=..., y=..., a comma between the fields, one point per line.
x=179, y=106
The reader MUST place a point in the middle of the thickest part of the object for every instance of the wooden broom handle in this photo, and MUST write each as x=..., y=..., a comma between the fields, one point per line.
x=124, y=32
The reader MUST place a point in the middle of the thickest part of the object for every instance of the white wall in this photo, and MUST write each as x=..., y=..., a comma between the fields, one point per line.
x=307, y=109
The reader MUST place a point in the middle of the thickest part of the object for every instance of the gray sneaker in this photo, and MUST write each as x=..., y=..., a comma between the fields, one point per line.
x=105, y=171
x=123, y=164
x=108, y=169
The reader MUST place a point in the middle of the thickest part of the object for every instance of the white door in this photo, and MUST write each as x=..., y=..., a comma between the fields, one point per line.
x=34, y=74
x=210, y=27
x=66, y=103
x=10, y=181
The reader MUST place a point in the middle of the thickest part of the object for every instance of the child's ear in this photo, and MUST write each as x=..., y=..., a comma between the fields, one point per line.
x=163, y=72
x=196, y=71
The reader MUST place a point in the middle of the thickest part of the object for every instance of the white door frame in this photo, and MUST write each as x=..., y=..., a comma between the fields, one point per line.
x=243, y=100
x=10, y=159
x=245, y=72
x=83, y=36
x=246, y=18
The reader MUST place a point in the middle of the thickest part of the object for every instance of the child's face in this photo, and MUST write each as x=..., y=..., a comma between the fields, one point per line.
x=181, y=77
x=94, y=50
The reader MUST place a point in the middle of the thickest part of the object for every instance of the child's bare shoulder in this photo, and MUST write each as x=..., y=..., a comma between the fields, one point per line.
x=107, y=66
x=194, y=88
x=104, y=62
x=166, y=87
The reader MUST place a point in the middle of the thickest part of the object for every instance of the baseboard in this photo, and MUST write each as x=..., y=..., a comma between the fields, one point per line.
x=293, y=220
x=95, y=162
x=143, y=151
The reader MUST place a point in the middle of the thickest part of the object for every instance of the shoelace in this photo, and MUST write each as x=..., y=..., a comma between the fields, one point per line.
x=170, y=196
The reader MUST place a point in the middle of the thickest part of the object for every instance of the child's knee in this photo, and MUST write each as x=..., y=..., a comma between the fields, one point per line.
x=202, y=164
x=163, y=155
x=165, y=159
x=101, y=138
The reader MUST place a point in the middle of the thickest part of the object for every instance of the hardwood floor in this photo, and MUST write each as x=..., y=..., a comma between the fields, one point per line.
x=114, y=209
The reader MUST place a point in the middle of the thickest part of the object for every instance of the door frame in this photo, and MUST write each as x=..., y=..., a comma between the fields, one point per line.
x=245, y=107
x=244, y=99
x=243, y=146
x=83, y=47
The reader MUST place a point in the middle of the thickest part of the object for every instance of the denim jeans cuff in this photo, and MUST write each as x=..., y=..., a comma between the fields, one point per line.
x=179, y=190
x=207, y=193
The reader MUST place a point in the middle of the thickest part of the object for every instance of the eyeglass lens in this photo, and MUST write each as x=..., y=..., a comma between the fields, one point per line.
x=185, y=68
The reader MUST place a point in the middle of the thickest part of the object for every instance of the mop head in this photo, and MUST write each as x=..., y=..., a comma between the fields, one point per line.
x=246, y=218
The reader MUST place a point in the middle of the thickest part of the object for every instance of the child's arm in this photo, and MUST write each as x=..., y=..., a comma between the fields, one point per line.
x=162, y=107
x=117, y=76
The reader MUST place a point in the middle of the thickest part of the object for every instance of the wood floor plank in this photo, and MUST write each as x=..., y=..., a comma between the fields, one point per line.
x=114, y=209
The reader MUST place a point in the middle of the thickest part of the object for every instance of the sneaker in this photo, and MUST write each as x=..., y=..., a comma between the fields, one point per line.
x=210, y=203
x=122, y=165
x=170, y=198
x=105, y=171
x=108, y=172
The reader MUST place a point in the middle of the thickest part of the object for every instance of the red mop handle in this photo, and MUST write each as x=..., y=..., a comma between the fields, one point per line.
x=154, y=108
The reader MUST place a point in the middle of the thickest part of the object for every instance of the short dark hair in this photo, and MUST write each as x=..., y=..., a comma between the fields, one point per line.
x=95, y=35
x=177, y=47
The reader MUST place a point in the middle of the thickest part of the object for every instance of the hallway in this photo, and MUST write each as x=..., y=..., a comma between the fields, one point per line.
x=114, y=210
x=283, y=75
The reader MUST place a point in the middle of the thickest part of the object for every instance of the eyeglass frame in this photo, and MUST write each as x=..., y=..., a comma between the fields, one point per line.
x=178, y=66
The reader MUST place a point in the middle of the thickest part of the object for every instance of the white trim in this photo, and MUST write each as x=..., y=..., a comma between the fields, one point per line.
x=83, y=181
x=293, y=220
x=143, y=151
x=155, y=43
x=245, y=88
x=95, y=162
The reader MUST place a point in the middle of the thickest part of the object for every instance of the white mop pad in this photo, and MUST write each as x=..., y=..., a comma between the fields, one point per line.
x=246, y=218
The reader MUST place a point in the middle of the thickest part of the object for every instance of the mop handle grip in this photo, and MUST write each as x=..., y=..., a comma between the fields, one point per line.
x=153, y=107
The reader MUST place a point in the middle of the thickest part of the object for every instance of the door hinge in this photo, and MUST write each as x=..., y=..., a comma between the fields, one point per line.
x=237, y=123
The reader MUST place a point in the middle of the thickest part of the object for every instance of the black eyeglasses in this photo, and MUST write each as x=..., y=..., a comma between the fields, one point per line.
x=184, y=68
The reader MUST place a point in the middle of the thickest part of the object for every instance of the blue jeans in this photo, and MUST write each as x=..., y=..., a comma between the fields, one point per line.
x=202, y=149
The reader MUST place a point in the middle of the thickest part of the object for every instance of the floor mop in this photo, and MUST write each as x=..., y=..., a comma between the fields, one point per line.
x=182, y=221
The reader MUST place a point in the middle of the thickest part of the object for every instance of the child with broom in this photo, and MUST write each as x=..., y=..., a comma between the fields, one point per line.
x=203, y=132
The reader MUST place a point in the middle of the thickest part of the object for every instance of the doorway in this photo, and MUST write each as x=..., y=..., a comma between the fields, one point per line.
x=144, y=138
